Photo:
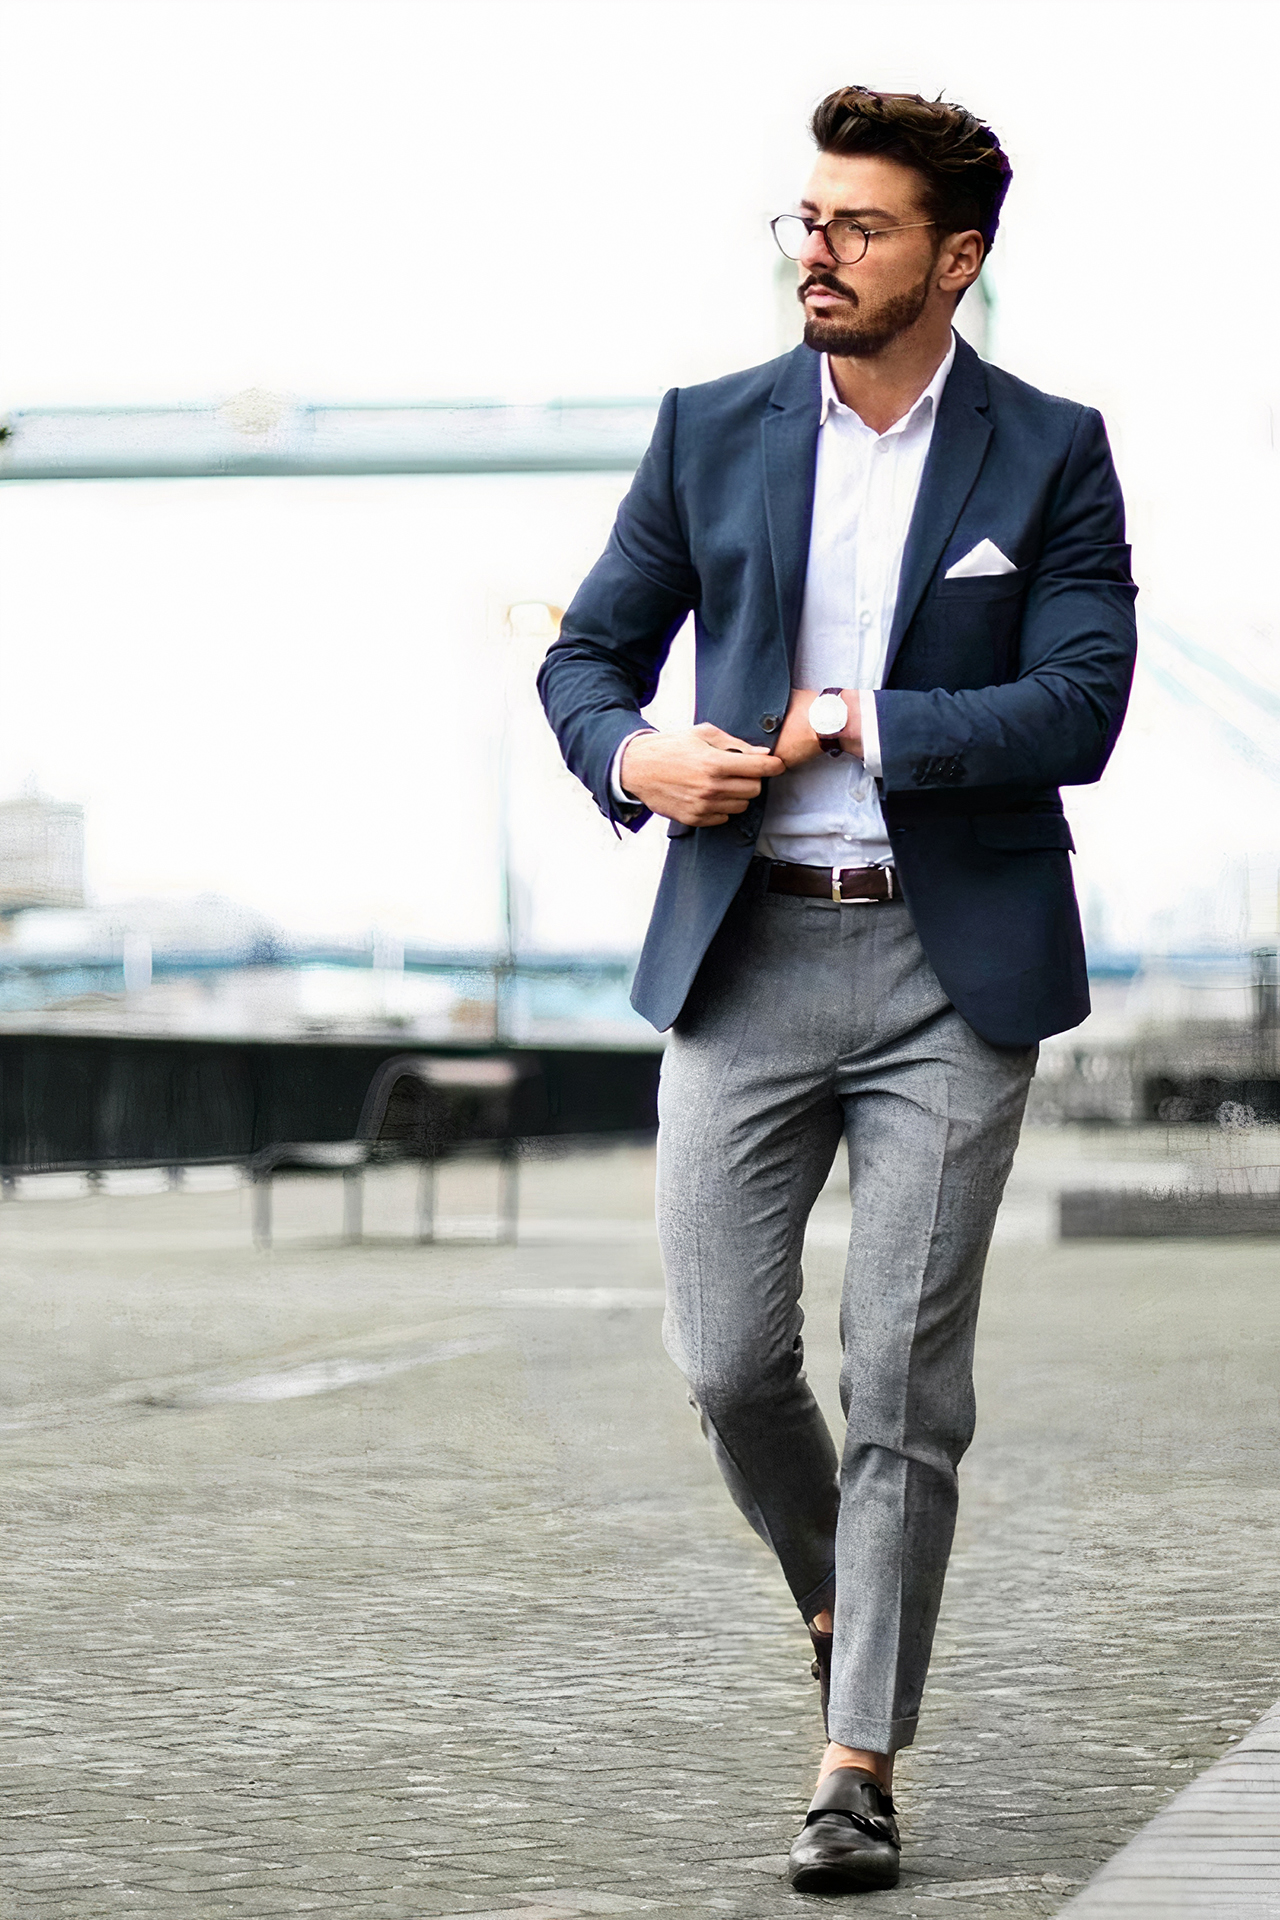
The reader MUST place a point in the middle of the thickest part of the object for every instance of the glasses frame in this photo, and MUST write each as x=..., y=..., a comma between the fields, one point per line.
x=821, y=226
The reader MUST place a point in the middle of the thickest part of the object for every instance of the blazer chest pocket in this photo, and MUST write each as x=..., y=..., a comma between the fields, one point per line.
x=965, y=635
x=1023, y=832
x=676, y=830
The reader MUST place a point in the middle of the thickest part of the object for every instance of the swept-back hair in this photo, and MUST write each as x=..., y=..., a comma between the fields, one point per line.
x=965, y=170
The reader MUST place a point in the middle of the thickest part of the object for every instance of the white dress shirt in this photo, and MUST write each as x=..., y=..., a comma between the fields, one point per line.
x=826, y=813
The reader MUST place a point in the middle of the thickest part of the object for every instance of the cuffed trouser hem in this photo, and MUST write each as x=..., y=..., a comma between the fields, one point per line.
x=872, y=1736
x=821, y=1600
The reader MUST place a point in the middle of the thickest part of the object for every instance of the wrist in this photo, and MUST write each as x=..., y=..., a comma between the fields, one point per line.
x=851, y=733
x=622, y=789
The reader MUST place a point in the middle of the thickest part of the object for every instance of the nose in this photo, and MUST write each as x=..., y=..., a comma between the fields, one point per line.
x=816, y=253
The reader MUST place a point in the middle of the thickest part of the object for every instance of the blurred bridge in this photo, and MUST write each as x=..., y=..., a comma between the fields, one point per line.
x=264, y=434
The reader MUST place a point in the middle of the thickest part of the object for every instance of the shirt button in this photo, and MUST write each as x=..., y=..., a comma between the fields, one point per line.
x=864, y=618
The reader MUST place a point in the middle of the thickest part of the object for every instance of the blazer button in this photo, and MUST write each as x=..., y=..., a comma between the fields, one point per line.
x=769, y=722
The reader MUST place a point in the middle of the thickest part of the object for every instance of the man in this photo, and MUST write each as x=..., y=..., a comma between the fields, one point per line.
x=914, y=623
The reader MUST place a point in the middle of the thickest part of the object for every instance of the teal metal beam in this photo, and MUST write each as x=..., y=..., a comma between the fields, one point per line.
x=261, y=434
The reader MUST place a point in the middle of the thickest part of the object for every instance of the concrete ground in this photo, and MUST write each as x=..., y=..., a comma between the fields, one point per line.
x=396, y=1582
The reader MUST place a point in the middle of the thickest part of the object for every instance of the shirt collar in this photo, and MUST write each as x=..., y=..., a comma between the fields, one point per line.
x=928, y=401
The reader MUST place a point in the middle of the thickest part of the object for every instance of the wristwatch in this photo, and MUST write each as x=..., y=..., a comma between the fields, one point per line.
x=829, y=716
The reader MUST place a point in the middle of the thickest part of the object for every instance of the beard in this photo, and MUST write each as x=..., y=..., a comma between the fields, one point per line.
x=866, y=331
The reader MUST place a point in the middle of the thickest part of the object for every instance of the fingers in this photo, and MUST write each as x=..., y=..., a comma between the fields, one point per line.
x=729, y=742
x=701, y=778
x=733, y=795
x=711, y=810
x=714, y=812
x=765, y=765
x=762, y=765
x=717, y=737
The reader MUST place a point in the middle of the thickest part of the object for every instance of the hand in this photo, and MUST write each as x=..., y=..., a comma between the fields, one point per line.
x=698, y=777
x=798, y=742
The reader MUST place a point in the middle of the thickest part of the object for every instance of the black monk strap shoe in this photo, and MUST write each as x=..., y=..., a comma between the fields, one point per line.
x=821, y=1668
x=849, y=1841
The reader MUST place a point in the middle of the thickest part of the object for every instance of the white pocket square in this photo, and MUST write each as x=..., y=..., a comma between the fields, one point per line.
x=986, y=557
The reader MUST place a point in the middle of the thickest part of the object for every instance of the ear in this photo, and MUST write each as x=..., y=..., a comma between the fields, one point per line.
x=960, y=261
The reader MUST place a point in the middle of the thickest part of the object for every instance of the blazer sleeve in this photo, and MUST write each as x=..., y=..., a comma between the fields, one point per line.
x=1057, y=723
x=616, y=635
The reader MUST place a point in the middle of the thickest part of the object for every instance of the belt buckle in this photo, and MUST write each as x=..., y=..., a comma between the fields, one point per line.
x=859, y=900
x=840, y=897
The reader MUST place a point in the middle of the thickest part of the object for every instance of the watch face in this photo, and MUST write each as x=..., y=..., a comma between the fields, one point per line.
x=828, y=715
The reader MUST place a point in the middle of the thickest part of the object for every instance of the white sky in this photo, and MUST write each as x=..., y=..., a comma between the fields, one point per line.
x=267, y=688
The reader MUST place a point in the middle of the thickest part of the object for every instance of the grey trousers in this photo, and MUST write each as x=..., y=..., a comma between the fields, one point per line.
x=810, y=1020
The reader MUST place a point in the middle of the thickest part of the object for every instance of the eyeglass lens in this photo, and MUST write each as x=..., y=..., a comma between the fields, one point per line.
x=846, y=240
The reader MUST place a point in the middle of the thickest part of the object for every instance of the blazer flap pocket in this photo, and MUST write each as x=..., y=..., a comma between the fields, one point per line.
x=983, y=586
x=1022, y=832
x=676, y=830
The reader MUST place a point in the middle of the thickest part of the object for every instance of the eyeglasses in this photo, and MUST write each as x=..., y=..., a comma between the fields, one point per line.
x=845, y=240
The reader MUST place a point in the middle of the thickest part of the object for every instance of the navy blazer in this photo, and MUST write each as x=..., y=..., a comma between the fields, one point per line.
x=997, y=690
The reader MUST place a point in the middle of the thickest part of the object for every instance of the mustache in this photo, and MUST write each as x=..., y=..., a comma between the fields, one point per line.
x=829, y=281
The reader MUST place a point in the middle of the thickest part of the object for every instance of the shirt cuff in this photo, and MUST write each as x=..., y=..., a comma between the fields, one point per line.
x=870, y=734
x=618, y=793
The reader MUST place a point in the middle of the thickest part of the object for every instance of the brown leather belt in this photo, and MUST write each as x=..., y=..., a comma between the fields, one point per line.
x=865, y=885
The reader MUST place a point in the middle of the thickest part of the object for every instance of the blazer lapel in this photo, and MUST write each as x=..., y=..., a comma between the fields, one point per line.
x=956, y=453
x=789, y=438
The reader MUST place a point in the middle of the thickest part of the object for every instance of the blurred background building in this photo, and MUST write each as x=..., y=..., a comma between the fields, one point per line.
x=41, y=854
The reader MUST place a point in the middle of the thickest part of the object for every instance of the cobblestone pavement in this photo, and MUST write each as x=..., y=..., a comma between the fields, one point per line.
x=395, y=1582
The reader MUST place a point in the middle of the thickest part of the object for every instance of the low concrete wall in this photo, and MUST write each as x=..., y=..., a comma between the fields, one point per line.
x=1095, y=1214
